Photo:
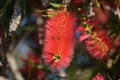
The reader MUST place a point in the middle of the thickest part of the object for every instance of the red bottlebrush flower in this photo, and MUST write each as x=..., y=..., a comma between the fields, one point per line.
x=99, y=46
x=97, y=42
x=33, y=59
x=30, y=70
x=30, y=62
x=98, y=77
x=38, y=74
x=24, y=70
x=59, y=40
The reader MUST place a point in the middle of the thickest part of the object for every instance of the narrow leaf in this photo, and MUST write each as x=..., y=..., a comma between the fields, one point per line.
x=57, y=5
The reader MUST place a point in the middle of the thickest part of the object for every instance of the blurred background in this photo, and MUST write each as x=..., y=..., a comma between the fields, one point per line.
x=22, y=35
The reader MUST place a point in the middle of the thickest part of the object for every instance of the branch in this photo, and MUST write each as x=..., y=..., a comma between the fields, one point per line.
x=13, y=66
x=12, y=61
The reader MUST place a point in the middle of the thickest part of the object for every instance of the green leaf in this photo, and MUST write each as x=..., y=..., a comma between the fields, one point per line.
x=57, y=5
x=5, y=7
x=41, y=10
x=49, y=15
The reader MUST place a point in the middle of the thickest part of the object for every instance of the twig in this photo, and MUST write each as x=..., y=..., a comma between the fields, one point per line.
x=109, y=77
x=117, y=57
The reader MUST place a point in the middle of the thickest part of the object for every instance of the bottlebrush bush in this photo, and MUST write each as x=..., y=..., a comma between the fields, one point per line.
x=71, y=39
